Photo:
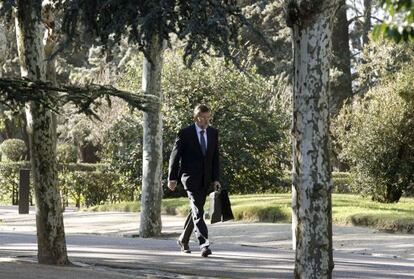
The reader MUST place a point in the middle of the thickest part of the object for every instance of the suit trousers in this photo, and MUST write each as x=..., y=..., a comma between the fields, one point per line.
x=195, y=220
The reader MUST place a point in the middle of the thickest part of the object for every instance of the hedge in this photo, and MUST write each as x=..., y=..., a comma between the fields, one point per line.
x=88, y=184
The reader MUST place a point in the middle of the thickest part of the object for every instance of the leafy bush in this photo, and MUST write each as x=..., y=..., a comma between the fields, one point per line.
x=9, y=180
x=91, y=184
x=14, y=149
x=84, y=167
x=66, y=153
x=93, y=188
x=382, y=60
x=86, y=184
x=342, y=182
x=377, y=137
x=122, y=150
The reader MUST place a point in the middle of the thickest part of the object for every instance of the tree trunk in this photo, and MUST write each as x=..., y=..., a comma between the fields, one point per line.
x=48, y=18
x=341, y=88
x=87, y=153
x=42, y=137
x=367, y=22
x=25, y=135
x=392, y=194
x=341, y=85
x=152, y=144
x=9, y=129
x=15, y=195
x=3, y=46
x=311, y=172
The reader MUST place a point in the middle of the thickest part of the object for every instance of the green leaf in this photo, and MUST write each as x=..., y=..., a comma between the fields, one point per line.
x=392, y=10
x=377, y=32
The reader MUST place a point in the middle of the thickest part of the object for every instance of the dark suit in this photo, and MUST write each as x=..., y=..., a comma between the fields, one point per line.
x=196, y=172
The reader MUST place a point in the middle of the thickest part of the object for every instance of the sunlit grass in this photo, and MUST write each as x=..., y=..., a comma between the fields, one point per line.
x=347, y=209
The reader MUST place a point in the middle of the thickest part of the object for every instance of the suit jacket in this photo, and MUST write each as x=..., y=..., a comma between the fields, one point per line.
x=188, y=163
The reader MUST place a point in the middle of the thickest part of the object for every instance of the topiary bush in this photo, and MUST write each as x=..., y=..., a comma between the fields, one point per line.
x=14, y=150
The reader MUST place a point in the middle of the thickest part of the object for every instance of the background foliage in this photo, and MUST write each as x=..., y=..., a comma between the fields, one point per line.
x=376, y=133
x=252, y=130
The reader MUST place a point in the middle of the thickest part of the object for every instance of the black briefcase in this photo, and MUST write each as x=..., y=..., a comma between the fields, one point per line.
x=220, y=207
x=226, y=212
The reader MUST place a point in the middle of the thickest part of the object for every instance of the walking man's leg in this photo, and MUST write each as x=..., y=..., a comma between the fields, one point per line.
x=197, y=201
x=184, y=238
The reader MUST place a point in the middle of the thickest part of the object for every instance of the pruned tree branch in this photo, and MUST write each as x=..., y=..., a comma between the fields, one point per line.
x=14, y=93
x=355, y=18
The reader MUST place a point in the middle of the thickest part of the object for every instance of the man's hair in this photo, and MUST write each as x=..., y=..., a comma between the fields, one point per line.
x=200, y=109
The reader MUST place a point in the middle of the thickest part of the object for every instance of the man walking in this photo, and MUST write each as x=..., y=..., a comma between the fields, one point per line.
x=195, y=160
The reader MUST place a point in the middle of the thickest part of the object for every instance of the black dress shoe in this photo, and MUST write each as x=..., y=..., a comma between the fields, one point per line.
x=205, y=252
x=184, y=247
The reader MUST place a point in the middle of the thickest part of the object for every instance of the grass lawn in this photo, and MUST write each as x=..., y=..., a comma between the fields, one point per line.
x=347, y=210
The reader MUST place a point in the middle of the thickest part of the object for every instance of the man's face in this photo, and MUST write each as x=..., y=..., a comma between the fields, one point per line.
x=203, y=119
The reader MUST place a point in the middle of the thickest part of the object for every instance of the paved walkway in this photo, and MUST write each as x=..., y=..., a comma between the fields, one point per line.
x=104, y=244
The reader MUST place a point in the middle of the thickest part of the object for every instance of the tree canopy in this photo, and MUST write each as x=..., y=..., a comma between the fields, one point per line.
x=205, y=27
x=400, y=23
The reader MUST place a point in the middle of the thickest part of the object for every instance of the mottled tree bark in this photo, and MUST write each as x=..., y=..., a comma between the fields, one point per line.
x=50, y=40
x=42, y=137
x=312, y=184
x=152, y=144
x=3, y=46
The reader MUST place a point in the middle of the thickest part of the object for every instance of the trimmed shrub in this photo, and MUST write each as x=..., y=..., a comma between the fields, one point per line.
x=342, y=182
x=9, y=180
x=85, y=184
x=66, y=153
x=92, y=188
x=14, y=149
x=84, y=167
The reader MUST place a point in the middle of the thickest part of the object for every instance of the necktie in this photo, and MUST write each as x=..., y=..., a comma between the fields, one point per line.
x=203, y=143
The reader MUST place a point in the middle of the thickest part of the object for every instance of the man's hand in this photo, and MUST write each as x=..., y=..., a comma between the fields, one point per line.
x=172, y=185
x=217, y=186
